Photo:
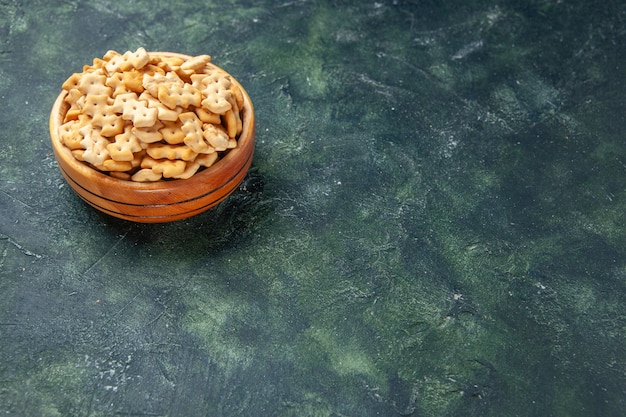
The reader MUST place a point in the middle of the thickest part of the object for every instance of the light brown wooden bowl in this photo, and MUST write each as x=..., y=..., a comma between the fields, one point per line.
x=160, y=201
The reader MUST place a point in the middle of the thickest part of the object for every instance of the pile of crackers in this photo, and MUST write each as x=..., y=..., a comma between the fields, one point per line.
x=147, y=117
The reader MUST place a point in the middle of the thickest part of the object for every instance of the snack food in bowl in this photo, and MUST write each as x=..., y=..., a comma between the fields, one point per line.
x=153, y=136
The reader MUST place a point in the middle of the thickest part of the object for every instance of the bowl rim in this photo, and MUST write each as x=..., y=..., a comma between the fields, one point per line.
x=199, y=179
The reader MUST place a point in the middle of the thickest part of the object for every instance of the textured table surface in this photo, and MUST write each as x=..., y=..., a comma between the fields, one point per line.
x=434, y=224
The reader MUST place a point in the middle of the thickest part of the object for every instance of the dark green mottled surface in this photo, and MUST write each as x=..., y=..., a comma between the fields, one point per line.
x=434, y=224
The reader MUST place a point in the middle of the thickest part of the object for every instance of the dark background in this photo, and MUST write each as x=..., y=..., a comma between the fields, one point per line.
x=433, y=224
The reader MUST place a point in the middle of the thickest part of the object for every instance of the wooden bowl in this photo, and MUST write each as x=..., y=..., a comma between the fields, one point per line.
x=160, y=201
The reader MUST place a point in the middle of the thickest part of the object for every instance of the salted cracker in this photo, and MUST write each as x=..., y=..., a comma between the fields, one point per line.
x=70, y=135
x=146, y=175
x=172, y=132
x=175, y=95
x=171, y=152
x=206, y=160
x=114, y=62
x=150, y=134
x=192, y=128
x=125, y=146
x=113, y=165
x=216, y=89
x=133, y=80
x=110, y=124
x=116, y=82
x=190, y=169
x=215, y=136
x=139, y=112
x=143, y=118
x=166, y=167
x=94, y=144
x=195, y=63
x=93, y=83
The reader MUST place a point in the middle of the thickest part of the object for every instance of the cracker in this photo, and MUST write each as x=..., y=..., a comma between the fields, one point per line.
x=96, y=104
x=139, y=58
x=206, y=160
x=146, y=175
x=168, y=115
x=235, y=107
x=93, y=83
x=76, y=101
x=166, y=167
x=144, y=117
x=72, y=114
x=96, y=64
x=190, y=169
x=110, y=124
x=175, y=95
x=112, y=165
x=116, y=83
x=216, y=88
x=163, y=113
x=230, y=122
x=78, y=154
x=72, y=81
x=124, y=147
x=170, y=63
x=216, y=136
x=120, y=175
x=74, y=97
x=152, y=68
x=121, y=100
x=109, y=55
x=237, y=94
x=95, y=145
x=172, y=132
x=192, y=128
x=151, y=82
x=207, y=116
x=150, y=134
x=139, y=112
x=119, y=63
x=70, y=135
x=196, y=63
x=138, y=157
x=133, y=80
x=171, y=152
